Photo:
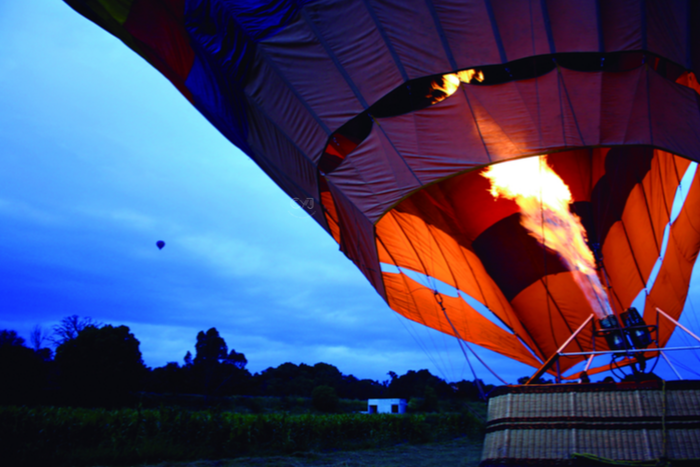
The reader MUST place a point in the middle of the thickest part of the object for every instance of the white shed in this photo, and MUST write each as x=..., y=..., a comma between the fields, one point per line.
x=386, y=406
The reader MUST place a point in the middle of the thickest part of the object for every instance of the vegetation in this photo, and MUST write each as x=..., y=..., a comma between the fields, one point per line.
x=78, y=436
x=98, y=365
x=93, y=401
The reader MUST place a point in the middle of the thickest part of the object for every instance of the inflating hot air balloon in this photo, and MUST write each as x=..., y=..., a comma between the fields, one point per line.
x=388, y=114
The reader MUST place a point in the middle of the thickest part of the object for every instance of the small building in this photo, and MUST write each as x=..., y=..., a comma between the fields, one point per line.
x=386, y=406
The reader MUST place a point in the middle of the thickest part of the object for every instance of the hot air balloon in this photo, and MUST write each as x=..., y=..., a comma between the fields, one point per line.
x=389, y=114
x=160, y=244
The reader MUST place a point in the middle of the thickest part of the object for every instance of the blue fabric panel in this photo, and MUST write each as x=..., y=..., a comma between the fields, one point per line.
x=260, y=19
x=224, y=106
x=224, y=35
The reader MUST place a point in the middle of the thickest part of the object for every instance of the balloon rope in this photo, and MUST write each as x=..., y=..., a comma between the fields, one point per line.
x=461, y=341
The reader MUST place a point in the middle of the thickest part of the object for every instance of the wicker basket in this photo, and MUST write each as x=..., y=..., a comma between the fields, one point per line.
x=580, y=424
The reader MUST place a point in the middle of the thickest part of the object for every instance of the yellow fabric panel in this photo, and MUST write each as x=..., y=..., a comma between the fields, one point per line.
x=117, y=9
x=418, y=303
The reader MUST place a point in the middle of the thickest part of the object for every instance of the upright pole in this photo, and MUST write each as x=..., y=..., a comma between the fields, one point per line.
x=555, y=356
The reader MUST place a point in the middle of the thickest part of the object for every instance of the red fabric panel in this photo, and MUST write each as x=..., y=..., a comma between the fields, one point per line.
x=676, y=117
x=631, y=98
x=283, y=162
x=438, y=141
x=667, y=30
x=563, y=109
x=329, y=209
x=522, y=28
x=267, y=90
x=581, y=169
x=358, y=239
x=421, y=235
x=468, y=31
x=374, y=176
x=301, y=60
x=622, y=25
x=551, y=310
x=632, y=244
x=671, y=286
x=689, y=80
x=412, y=244
x=158, y=26
x=418, y=303
x=352, y=35
x=574, y=25
x=411, y=30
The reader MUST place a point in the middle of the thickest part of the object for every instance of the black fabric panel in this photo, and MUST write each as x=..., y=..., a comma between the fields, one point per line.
x=513, y=258
x=624, y=168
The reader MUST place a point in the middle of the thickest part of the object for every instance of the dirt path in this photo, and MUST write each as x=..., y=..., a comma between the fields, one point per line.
x=458, y=453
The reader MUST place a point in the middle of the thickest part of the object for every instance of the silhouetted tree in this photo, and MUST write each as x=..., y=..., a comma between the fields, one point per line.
x=100, y=366
x=236, y=359
x=23, y=372
x=218, y=371
x=539, y=380
x=70, y=327
x=325, y=399
x=210, y=348
x=37, y=337
x=413, y=384
x=430, y=400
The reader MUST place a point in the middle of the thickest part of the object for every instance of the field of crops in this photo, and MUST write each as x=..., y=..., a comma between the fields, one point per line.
x=73, y=436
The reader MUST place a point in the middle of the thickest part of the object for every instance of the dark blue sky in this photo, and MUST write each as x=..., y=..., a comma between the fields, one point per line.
x=100, y=157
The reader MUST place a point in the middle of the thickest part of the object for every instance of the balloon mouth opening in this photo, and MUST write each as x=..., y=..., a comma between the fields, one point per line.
x=455, y=232
x=420, y=93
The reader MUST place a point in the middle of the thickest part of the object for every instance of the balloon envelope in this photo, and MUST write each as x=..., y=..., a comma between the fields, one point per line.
x=160, y=244
x=333, y=100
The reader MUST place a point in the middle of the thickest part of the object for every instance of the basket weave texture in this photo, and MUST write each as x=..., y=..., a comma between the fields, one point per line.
x=620, y=422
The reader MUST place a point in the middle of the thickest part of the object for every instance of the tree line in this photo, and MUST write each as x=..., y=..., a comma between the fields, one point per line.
x=96, y=365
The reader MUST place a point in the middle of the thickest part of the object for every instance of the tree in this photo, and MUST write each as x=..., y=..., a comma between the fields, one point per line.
x=325, y=399
x=210, y=348
x=100, y=366
x=10, y=338
x=539, y=380
x=37, y=337
x=217, y=370
x=70, y=327
x=413, y=384
x=23, y=372
x=236, y=359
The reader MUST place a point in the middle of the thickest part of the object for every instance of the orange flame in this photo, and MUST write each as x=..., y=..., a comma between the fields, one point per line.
x=544, y=201
x=444, y=88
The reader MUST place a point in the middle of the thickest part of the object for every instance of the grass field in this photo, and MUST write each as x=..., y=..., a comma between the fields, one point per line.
x=68, y=437
x=462, y=452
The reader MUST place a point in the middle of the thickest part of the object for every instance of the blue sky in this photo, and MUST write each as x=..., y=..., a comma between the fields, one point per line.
x=100, y=157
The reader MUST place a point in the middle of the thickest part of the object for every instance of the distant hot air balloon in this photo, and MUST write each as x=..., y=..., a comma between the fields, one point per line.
x=160, y=244
x=387, y=114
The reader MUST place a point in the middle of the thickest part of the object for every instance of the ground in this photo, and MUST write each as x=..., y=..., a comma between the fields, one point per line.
x=458, y=453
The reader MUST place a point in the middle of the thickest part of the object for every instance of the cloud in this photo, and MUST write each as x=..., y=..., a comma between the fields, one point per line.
x=27, y=212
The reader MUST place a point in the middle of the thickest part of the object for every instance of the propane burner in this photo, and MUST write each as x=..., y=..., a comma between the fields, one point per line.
x=632, y=334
